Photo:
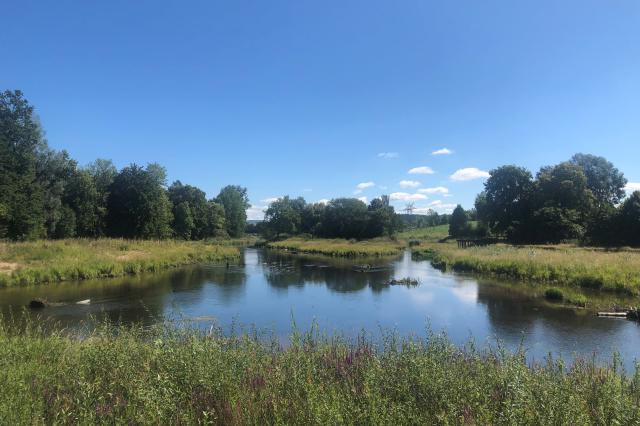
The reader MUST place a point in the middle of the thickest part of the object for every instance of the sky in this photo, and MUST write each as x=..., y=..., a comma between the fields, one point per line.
x=417, y=99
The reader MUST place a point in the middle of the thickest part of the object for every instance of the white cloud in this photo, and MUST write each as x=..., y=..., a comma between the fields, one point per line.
x=270, y=200
x=442, y=151
x=436, y=205
x=404, y=196
x=469, y=173
x=409, y=184
x=363, y=199
x=388, y=155
x=422, y=170
x=365, y=185
x=323, y=201
x=357, y=191
x=632, y=186
x=435, y=190
x=307, y=190
x=256, y=212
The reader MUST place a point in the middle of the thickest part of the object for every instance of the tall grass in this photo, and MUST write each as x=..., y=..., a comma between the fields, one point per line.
x=119, y=375
x=613, y=271
x=340, y=248
x=51, y=261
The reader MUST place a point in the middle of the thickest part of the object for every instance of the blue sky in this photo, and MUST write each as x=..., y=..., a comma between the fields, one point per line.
x=306, y=98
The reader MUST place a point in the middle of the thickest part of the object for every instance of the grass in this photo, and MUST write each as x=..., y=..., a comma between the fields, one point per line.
x=611, y=271
x=427, y=234
x=75, y=259
x=340, y=248
x=164, y=375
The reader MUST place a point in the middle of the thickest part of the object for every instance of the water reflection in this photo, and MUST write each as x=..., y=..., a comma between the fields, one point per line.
x=268, y=288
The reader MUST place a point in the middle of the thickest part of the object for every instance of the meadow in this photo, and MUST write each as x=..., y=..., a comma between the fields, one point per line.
x=340, y=248
x=41, y=262
x=166, y=375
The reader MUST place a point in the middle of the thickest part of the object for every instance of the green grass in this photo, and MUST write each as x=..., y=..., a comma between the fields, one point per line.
x=119, y=375
x=610, y=271
x=52, y=261
x=340, y=248
x=427, y=234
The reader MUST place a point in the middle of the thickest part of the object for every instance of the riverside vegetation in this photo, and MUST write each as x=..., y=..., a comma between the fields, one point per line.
x=166, y=375
x=340, y=247
x=39, y=262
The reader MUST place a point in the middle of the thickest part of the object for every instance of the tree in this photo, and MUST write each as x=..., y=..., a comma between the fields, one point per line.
x=505, y=203
x=284, y=216
x=196, y=203
x=81, y=196
x=382, y=218
x=344, y=218
x=630, y=220
x=459, y=223
x=216, y=222
x=138, y=206
x=103, y=172
x=183, y=224
x=564, y=203
x=604, y=180
x=235, y=202
x=21, y=198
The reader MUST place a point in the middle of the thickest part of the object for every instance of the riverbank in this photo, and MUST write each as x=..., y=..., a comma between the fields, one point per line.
x=166, y=376
x=340, y=248
x=42, y=262
x=615, y=271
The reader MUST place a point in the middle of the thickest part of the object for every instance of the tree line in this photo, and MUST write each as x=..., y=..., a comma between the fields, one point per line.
x=580, y=199
x=46, y=194
x=339, y=218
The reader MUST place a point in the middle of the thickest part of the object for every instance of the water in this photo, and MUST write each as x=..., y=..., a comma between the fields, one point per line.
x=272, y=288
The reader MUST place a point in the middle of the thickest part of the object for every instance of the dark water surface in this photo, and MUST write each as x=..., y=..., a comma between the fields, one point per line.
x=272, y=287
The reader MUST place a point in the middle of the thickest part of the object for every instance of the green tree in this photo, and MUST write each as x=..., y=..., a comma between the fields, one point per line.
x=235, y=201
x=284, y=216
x=103, y=172
x=505, y=203
x=630, y=220
x=138, y=206
x=604, y=180
x=459, y=223
x=54, y=172
x=382, y=218
x=344, y=218
x=198, y=207
x=183, y=224
x=81, y=196
x=21, y=197
x=216, y=222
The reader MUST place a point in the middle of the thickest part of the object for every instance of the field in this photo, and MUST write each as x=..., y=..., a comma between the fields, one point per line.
x=340, y=248
x=51, y=261
x=119, y=375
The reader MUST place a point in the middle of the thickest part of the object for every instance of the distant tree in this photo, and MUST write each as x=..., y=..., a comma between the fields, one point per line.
x=564, y=203
x=459, y=223
x=138, y=206
x=55, y=170
x=183, y=224
x=284, y=216
x=196, y=203
x=103, y=173
x=235, y=201
x=311, y=218
x=21, y=197
x=604, y=180
x=505, y=203
x=344, y=218
x=81, y=196
x=216, y=221
x=382, y=218
x=630, y=220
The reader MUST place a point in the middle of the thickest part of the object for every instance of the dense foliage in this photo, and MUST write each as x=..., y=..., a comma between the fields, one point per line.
x=116, y=375
x=580, y=199
x=339, y=218
x=45, y=194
